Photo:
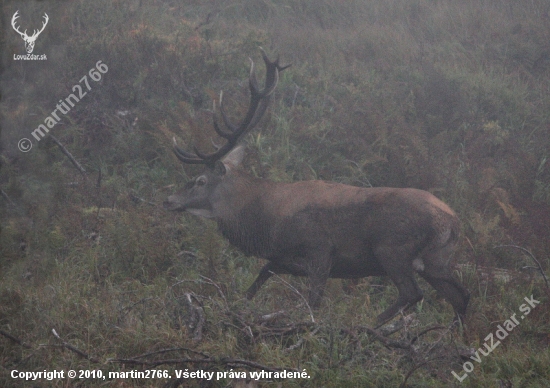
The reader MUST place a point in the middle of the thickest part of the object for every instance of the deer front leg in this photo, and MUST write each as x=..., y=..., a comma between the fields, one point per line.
x=265, y=273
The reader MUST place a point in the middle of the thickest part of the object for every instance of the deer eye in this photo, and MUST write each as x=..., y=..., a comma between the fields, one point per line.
x=201, y=181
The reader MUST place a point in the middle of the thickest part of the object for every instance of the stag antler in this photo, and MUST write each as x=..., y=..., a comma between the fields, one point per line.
x=15, y=16
x=259, y=100
x=29, y=40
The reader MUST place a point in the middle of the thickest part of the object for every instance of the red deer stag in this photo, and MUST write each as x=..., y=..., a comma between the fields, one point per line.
x=321, y=229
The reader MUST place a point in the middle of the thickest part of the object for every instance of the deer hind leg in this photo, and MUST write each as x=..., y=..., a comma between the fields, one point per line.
x=402, y=275
x=437, y=273
x=409, y=295
x=449, y=288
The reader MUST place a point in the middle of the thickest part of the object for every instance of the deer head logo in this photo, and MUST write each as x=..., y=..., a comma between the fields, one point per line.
x=29, y=40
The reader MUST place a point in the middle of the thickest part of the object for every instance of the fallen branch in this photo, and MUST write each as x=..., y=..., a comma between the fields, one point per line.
x=15, y=339
x=435, y=327
x=196, y=320
x=210, y=281
x=297, y=292
x=532, y=257
x=397, y=325
x=169, y=350
x=73, y=349
x=69, y=155
x=301, y=340
x=388, y=342
x=7, y=198
x=415, y=368
x=135, y=198
x=270, y=317
x=204, y=22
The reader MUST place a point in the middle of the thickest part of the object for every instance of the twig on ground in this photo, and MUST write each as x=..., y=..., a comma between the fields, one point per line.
x=390, y=343
x=435, y=327
x=532, y=257
x=297, y=292
x=163, y=351
x=135, y=198
x=15, y=339
x=69, y=155
x=301, y=340
x=416, y=367
x=210, y=281
x=7, y=198
x=196, y=320
x=73, y=349
x=394, y=327
x=269, y=317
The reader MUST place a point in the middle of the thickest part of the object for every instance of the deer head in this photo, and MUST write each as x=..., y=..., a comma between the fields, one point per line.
x=29, y=40
x=198, y=194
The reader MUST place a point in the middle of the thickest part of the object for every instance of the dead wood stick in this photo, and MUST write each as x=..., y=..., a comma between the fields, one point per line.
x=73, y=349
x=15, y=339
x=169, y=350
x=210, y=281
x=297, y=292
x=197, y=316
x=385, y=340
x=301, y=340
x=7, y=198
x=532, y=257
x=395, y=326
x=435, y=327
x=69, y=155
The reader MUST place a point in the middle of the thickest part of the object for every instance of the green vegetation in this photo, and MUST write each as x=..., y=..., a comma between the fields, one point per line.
x=452, y=97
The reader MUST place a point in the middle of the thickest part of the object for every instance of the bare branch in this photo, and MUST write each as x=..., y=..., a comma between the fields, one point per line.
x=210, y=281
x=269, y=317
x=15, y=339
x=163, y=351
x=297, y=292
x=197, y=317
x=301, y=340
x=427, y=330
x=73, y=349
x=416, y=367
x=398, y=325
x=385, y=340
x=69, y=155
x=532, y=257
x=7, y=198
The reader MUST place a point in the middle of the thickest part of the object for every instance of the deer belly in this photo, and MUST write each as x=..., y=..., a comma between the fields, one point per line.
x=355, y=266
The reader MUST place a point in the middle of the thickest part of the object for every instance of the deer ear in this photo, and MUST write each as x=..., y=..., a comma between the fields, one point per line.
x=234, y=158
x=219, y=168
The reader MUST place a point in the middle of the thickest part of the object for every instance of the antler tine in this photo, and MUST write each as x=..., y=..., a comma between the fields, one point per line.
x=230, y=126
x=184, y=156
x=222, y=132
x=44, y=24
x=13, y=21
x=254, y=94
x=259, y=100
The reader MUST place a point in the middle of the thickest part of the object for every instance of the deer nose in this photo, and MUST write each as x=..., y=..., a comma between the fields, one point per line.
x=172, y=204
